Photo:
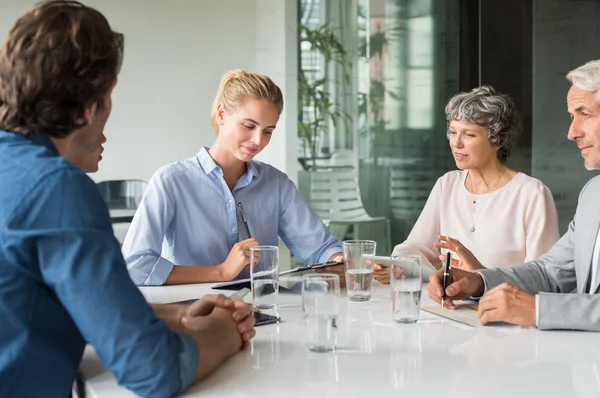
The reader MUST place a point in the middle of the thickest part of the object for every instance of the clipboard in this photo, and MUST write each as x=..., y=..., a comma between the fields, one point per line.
x=245, y=283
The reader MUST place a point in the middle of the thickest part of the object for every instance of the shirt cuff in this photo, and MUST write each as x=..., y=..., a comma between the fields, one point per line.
x=330, y=252
x=189, y=359
x=159, y=273
x=485, y=284
x=537, y=309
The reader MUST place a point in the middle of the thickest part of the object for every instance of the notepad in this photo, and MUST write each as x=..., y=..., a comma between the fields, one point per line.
x=465, y=313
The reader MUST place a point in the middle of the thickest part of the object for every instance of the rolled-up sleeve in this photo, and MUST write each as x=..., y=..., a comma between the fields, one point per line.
x=301, y=229
x=143, y=244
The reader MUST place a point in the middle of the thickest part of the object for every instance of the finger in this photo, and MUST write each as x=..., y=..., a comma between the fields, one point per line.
x=463, y=251
x=490, y=315
x=249, y=335
x=435, y=285
x=246, y=325
x=241, y=312
x=445, y=245
x=449, y=304
x=499, y=290
x=337, y=258
x=206, y=304
x=459, y=289
x=453, y=241
x=453, y=262
x=377, y=267
x=487, y=304
x=250, y=243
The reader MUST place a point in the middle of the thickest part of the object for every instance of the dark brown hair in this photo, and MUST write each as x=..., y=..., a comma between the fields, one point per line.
x=60, y=58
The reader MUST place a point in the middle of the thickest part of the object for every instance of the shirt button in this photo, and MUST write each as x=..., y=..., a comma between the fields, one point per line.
x=230, y=201
x=233, y=229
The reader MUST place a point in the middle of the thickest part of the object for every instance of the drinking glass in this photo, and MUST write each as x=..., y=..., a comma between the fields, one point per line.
x=264, y=276
x=359, y=272
x=406, y=281
x=320, y=304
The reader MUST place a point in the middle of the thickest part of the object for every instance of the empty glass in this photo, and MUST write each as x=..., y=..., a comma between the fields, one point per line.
x=406, y=280
x=320, y=304
x=359, y=272
x=264, y=276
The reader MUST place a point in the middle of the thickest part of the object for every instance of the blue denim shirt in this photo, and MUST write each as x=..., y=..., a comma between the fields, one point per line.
x=63, y=282
x=189, y=216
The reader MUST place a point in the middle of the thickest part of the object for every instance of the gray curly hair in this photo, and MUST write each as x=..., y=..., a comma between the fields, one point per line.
x=494, y=111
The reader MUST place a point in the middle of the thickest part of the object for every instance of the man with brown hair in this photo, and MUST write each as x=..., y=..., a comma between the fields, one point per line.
x=63, y=280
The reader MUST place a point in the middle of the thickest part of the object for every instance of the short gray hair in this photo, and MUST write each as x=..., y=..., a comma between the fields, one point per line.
x=494, y=111
x=587, y=77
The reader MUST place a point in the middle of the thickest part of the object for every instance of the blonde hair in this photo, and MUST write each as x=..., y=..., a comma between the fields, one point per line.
x=238, y=85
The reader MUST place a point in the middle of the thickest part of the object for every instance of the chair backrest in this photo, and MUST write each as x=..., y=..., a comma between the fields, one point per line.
x=335, y=195
x=343, y=157
x=409, y=190
x=125, y=194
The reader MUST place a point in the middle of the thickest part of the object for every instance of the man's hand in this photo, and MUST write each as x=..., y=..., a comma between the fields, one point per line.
x=335, y=269
x=507, y=303
x=240, y=313
x=460, y=286
x=467, y=262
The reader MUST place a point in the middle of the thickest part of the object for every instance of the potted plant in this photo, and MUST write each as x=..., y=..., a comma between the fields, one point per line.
x=317, y=109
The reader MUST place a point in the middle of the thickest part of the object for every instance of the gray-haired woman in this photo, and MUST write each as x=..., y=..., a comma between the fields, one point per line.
x=502, y=216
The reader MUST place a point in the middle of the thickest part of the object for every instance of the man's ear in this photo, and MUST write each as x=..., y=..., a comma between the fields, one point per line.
x=88, y=113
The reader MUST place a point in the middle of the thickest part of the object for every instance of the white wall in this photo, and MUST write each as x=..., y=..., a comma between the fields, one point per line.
x=175, y=54
x=277, y=57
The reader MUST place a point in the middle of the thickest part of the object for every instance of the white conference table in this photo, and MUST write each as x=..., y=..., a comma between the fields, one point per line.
x=378, y=358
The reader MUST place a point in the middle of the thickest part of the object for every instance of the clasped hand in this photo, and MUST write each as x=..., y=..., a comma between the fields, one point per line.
x=220, y=308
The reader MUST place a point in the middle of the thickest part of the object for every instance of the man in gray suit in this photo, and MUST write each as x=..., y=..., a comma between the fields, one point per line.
x=556, y=291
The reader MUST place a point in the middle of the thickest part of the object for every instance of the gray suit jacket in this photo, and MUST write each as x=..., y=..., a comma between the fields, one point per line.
x=565, y=267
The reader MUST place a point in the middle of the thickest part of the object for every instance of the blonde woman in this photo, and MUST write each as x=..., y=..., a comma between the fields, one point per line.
x=502, y=216
x=187, y=228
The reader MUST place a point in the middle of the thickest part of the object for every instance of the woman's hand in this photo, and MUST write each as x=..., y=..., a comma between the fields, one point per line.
x=467, y=261
x=237, y=260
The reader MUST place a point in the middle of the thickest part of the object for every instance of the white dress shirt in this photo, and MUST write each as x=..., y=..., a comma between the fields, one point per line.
x=595, y=263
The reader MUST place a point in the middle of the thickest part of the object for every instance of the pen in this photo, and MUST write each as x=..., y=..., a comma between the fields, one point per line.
x=244, y=220
x=446, y=275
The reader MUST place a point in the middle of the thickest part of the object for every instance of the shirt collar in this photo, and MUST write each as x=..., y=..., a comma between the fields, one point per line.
x=207, y=164
x=43, y=139
x=36, y=138
x=205, y=161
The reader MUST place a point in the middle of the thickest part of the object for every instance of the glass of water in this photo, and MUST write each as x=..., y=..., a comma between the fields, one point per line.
x=264, y=276
x=406, y=280
x=320, y=304
x=359, y=272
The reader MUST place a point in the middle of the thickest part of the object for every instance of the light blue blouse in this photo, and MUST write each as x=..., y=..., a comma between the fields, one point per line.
x=188, y=216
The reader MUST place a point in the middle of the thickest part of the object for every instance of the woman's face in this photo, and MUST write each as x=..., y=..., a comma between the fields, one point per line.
x=471, y=146
x=246, y=130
